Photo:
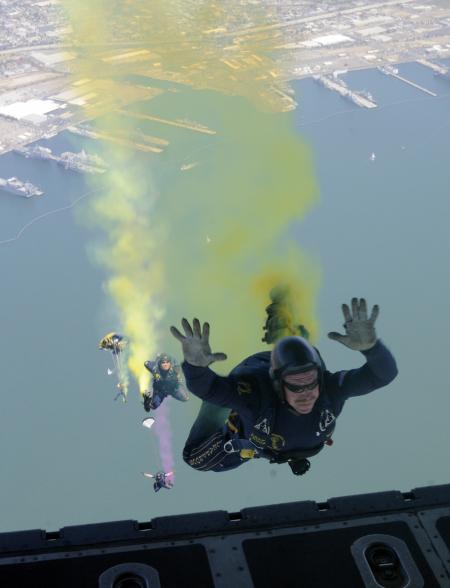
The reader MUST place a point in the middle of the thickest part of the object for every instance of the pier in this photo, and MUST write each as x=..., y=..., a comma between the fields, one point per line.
x=390, y=71
x=436, y=67
x=183, y=124
x=129, y=143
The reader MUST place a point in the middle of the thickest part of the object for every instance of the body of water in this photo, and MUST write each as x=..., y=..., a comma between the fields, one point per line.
x=71, y=455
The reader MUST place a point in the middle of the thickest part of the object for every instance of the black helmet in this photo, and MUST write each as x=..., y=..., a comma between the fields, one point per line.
x=293, y=355
x=163, y=357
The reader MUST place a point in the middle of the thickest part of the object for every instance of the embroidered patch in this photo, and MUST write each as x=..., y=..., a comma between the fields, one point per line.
x=263, y=426
x=326, y=419
x=277, y=441
x=258, y=441
x=244, y=387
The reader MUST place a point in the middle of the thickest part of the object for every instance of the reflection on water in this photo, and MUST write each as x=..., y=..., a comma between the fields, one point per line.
x=72, y=455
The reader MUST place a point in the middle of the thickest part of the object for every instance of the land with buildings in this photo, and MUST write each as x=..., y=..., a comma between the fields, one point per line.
x=265, y=42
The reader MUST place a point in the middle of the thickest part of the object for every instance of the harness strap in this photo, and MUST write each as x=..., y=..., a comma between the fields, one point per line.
x=259, y=438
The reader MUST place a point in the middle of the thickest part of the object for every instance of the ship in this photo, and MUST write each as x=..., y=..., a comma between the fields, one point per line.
x=367, y=94
x=188, y=166
x=361, y=101
x=341, y=88
x=83, y=132
x=16, y=186
x=388, y=70
x=82, y=162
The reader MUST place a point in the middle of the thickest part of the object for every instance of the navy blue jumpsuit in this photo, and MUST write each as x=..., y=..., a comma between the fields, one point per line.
x=166, y=383
x=290, y=431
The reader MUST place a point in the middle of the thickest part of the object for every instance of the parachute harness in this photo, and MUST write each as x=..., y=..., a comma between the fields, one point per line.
x=259, y=438
x=227, y=448
x=259, y=443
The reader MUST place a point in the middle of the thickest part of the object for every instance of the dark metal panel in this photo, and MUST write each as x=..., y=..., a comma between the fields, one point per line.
x=99, y=533
x=205, y=522
x=320, y=555
x=178, y=566
x=436, y=523
x=432, y=495
x=22, y=540
x=279, y=514
x=361, y=504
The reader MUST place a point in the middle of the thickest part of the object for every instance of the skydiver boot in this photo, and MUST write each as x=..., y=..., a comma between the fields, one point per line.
x=147, y=401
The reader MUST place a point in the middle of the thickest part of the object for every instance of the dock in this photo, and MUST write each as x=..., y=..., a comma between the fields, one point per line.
x=389, y=71
x=413, y=84
x=436, y=67
x=183, y=124
x=125, y=142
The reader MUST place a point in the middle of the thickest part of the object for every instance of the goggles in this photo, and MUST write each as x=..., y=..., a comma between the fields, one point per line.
x=298, y=388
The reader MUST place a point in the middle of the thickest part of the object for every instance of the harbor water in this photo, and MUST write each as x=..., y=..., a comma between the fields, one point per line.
x=71, y=455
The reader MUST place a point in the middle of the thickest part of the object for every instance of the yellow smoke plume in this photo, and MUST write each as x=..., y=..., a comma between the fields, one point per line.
x=233, y=241
x=129, y=252
x=214, y=240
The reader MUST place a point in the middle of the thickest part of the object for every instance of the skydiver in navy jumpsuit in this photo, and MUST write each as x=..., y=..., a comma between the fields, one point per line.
x=167, y=381
x=304, y=398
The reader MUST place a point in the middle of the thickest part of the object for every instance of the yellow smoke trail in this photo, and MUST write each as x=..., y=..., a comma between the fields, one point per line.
x=131, y=257
x=211, y=242
x=232, y=242
x=285, y=311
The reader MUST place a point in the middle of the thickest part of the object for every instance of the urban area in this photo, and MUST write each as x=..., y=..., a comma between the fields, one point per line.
x=270, y=42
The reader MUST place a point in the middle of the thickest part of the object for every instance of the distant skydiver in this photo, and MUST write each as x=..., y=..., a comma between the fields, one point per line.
x=161, y=480
x=116, y=344
x=166, y=381
x=283, y=404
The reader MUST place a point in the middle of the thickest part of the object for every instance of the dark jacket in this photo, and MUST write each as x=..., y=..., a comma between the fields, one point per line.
x=293, y=431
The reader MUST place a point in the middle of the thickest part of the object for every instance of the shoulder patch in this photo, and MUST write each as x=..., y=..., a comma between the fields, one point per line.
x=277, y=441
x=244, y=387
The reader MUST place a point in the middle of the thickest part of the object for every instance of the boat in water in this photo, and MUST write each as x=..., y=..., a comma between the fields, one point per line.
x=80, y=162
x=341, y=88
x=15, y=186
x=388, y=70
x=188, y=166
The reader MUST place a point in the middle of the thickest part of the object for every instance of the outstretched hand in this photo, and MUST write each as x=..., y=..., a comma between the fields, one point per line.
x=360, y=331
x=195, y=344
